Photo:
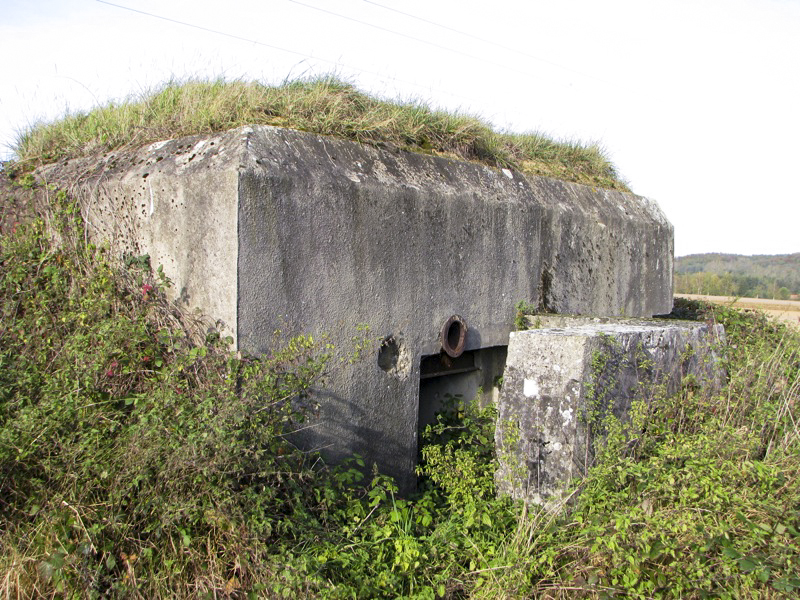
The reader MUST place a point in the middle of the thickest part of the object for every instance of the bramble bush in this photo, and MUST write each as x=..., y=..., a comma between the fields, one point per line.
x=134, y=461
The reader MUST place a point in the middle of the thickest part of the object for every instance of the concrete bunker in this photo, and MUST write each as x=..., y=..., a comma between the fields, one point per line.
x=267, y=229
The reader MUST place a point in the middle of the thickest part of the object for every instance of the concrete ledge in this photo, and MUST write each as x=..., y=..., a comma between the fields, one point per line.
x=561, y=382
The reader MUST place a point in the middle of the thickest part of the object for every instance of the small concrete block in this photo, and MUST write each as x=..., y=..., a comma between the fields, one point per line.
x=560, y=383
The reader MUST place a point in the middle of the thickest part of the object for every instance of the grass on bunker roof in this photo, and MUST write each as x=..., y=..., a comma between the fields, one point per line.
x=324, y=105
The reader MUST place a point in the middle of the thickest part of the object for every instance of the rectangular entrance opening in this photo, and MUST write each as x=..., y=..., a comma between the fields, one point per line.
x=474, y=373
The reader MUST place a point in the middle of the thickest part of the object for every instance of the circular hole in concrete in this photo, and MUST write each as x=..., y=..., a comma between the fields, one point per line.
x=388, y=354
x=453, y=334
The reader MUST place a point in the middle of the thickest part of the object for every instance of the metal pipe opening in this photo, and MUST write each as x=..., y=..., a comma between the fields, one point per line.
x=454, y=336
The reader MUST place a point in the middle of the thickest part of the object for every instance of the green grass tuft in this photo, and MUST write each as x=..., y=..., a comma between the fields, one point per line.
x=325, y=105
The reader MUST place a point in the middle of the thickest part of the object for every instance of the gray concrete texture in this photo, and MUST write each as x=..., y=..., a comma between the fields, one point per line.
x=269, y=229
x=563, y=380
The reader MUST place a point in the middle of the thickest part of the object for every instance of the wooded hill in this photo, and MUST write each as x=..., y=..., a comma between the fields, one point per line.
x=759, y=276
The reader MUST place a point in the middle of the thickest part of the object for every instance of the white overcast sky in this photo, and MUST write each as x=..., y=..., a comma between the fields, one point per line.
x=696, y=101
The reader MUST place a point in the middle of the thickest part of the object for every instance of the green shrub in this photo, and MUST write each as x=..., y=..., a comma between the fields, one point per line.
x=132, y=460
x=698, y=496
x=446, y=540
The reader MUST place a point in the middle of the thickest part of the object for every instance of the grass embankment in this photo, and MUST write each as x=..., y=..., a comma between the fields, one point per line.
x=137, y=463
x=326, y=106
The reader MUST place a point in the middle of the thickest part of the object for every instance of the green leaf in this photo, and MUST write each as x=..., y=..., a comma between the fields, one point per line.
x=731, y=553
x=747, y=564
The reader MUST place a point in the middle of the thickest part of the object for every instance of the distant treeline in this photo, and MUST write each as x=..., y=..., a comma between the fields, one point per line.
x=763, y=276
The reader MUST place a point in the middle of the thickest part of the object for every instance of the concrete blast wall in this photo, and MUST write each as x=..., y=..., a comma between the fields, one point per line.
x=266, y=229
x=564, y=380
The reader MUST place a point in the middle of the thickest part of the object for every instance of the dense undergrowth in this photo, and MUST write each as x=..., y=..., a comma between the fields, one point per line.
x=325, y=105
x=138, y=461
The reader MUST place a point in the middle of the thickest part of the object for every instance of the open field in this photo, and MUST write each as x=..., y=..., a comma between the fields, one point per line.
x=787, y=311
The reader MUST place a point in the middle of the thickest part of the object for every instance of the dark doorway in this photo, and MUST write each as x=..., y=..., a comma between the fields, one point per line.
x=475, y=373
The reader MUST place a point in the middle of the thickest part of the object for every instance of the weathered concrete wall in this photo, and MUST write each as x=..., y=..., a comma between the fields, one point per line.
x=586, y=230
x=333, y=234
x=563, y=380
x=271, y=229
x=176, y=201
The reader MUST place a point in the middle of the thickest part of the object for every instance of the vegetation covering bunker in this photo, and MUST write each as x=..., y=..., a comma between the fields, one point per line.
x=270, y=229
